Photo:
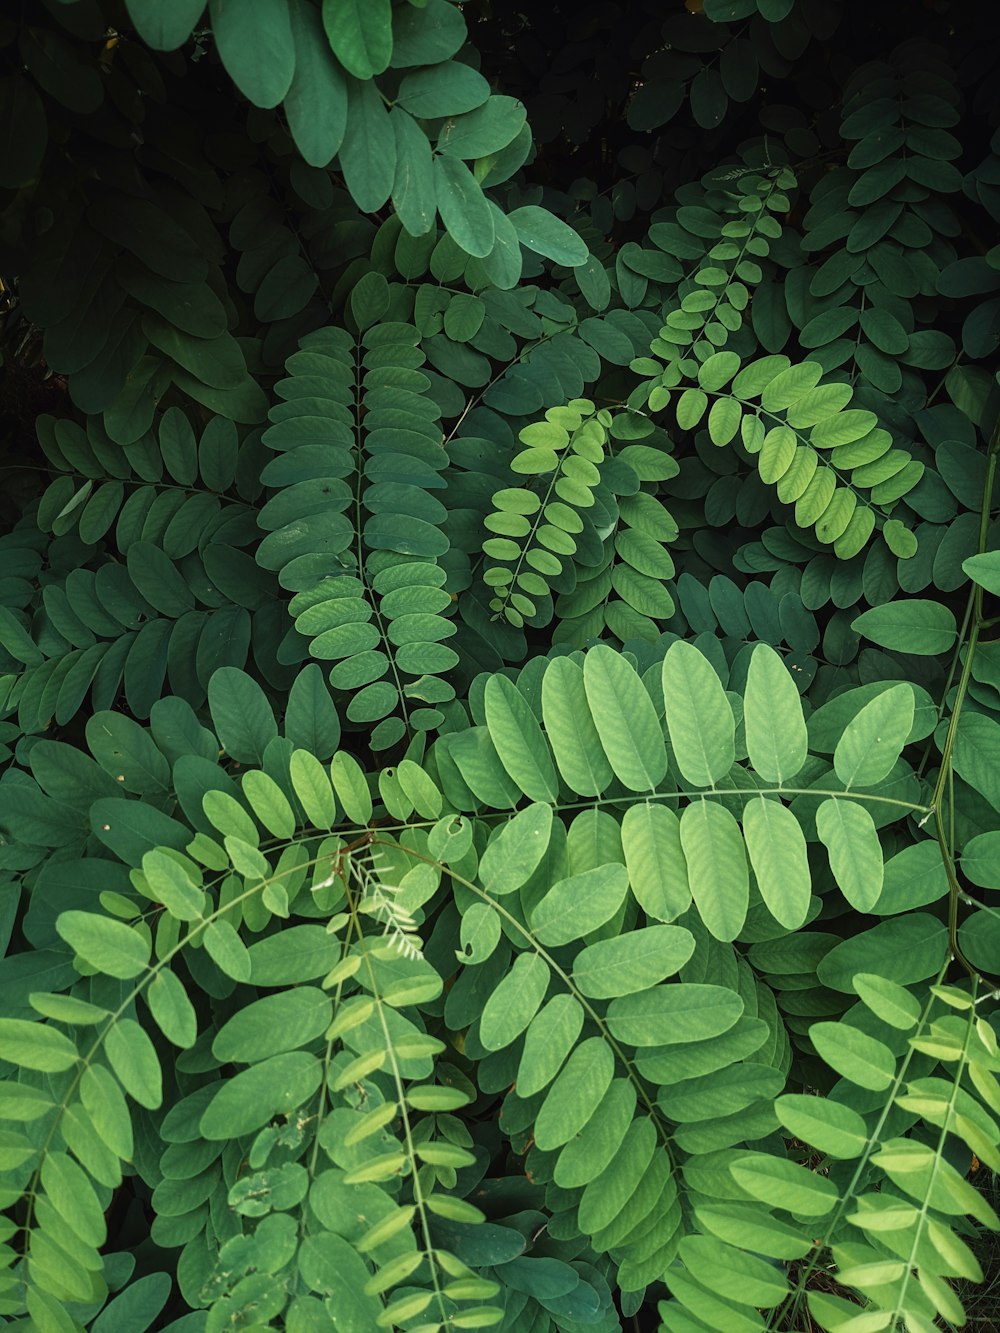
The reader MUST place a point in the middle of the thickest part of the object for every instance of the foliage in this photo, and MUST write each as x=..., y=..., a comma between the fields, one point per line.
x=500, y=726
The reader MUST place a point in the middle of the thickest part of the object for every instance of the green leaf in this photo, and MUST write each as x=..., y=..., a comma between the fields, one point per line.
x=243, y=30
x=625, y=719
x=464, y=209
x=368, y=152
x=515, y=850
x=447, y=89
x=25, y=132
x=674, y=1014
x=575, y=906
x=248, y=1100
x=36, y=1046
x=413, y=190
x=272, y=1025
x=976, y=752
x=515, y=1002
x=873, y=739
x=772, y=713
x=854, y=1055
x=360, y=34
x=570, y=728
x=717, y=866
x=241, y=715
x=490, y=132
x=427, y=33
x=632, y=962
x=777, y=850
x=165, y=27
x=136, y=1307
x=106, y=945
x=913, y=625
x=984, y=569
x=700, y=721
x=849, y=834
x=316, y=101
x=539, y=230
x=519, y=741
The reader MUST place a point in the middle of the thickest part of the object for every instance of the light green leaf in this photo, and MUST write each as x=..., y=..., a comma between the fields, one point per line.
x=700, y=721
x=823, y=1123
x=913, y=625
x=784, y=1184
x=848, y=832
x=777, y=849
x=625, y=719
x=730, y=1272
x=269, y=803
x=571, y=731
x=888, y=1000
x=351, y=787
x=227, y=950
x=854, y=1055
x=518, y=739
x=174, y=1013
x=586, y=1156
x=776, y=736
x=109, y=946
x=514, y=1003
x=575, y=906
x=717, y=866
x=575, y=1095
x=674, y=1014
x=312, y=789
x=133, y=1058
x=73, y=1197
x=36, y=1046
x=657, y=870
x=551, y=1036
x=515, y=850
x=170, y=880
x=873, y=739
x=632, y=962
x=360, y=34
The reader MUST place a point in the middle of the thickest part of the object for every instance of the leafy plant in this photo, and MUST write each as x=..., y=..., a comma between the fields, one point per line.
x=499, y=716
